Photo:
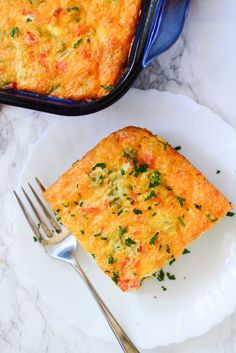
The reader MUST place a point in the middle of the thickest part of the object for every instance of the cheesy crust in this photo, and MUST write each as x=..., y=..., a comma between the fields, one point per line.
x=135, y=203
x=69, y=49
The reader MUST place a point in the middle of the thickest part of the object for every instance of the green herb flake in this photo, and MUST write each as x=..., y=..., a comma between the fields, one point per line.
x=75, y=8
x=122, y=230
x=14, y=32
x=218, y=171
x=152, y=194
x=230, y=214
x=119, y=212
x=155, y=179
x=149, y=208
x=181, y=221
x=35, y=239
x=177, y=148
x=186, y=251
x=103, y=238
x=107, y=88
x=93, y=255
x=154, y=214
x=161, y=275
x=79, y=41
x=153, y=239
x=163, y=288
x=97, y=235
x=172, y=261
x=58, y=219
x=65, y=204
x=115, y=277
x=199, y=207
x=181, y=200
x=28, y=19
x=141, y=169
x=99, y=165
x=72, y=215
x=168, y=248
x=122, y=172
x=136, y=211
x=81, y=231
x=110, y=260
x=129, y=242
x=171, y=277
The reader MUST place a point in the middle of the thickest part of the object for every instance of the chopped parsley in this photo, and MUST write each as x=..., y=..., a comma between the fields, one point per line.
x=177, y=148
x=218, y=171
x=58, y=219
x=142, y=168
x=136, y=211
x=65, y=204
x=230, y=214
x=154, y=214
x=93, y=255
x=171, y=277
x=76, y=44
x=35, y=239
x=97, y=235
x=122, y=230
x=120, y=211
x=129, y=241
x=163, y=288
x=153, y=239
x=122, y=172
x=103, y=238
x=99, y=165
x=181, y=200
x=75, y=8
x=152, y=194
x=149, y=208
x=168, y=248
x=181, y=221
x=110, y=260
x=186, y=251
x=72, y=215
x=161, y=275
x=155, y=179
x=115, y=277
x=107, y=88
x=81, y=231
x=198, y=206
x=172, y=261
x=14, y=32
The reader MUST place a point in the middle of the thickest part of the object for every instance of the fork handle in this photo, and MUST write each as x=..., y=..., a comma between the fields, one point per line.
x=123, y=339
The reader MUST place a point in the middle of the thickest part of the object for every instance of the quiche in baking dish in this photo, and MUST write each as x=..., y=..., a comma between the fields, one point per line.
x=135, y=203
x=66, y=48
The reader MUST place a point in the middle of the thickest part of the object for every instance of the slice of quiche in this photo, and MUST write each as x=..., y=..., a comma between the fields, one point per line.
x=134, y=203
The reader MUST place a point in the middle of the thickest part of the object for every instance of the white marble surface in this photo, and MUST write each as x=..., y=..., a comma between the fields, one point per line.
x=201, y=65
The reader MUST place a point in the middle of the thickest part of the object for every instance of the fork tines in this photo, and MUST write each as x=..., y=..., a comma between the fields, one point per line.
x=36, y=210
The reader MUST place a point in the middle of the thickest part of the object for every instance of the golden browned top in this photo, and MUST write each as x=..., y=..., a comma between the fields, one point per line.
x=135, y=203
x=71, y=49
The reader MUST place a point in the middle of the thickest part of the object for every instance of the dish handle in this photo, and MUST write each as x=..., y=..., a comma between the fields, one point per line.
x=167, y=25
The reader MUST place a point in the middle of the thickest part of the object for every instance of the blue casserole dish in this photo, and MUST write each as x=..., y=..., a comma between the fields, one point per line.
x=160, y=25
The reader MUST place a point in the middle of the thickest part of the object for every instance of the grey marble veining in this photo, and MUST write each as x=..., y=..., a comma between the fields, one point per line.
x=201, y=65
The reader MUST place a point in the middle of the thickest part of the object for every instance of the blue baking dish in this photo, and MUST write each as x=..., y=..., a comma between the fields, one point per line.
x=160, y=25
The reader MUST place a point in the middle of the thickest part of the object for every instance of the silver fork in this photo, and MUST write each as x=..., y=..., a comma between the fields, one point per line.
x=62, y=245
